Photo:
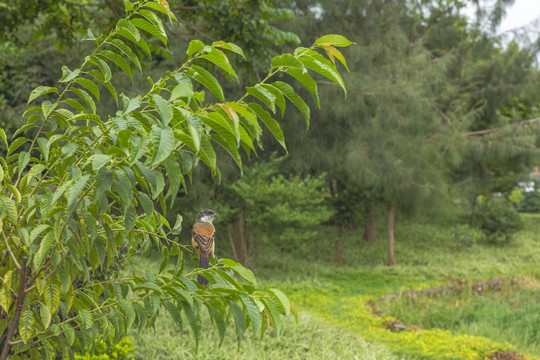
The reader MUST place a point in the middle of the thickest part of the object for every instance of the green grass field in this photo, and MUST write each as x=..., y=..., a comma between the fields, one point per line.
x=338, y=322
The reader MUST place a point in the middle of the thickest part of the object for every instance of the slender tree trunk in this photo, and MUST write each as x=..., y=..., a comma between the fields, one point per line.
x=240, y=246
x=21, y=294
x=391, y=226
x=340, y=245
x=370, y=232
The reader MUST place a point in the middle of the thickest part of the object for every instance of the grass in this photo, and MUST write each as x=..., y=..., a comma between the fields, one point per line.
x=336, y=321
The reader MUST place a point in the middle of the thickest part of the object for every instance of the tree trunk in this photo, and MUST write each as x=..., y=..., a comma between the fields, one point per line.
x=21, y=295
x=340, y=245
x=391, y=226
x=370, y=231
x=239, y=241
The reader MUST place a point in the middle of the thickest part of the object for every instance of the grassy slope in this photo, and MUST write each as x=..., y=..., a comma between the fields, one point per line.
x=335, y=299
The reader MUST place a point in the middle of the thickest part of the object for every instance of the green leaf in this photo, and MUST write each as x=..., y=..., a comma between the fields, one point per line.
x=164, y=259
x=129, y=312
x=3, y=136
x=321, y=65
x=174, y=312
x=128, y=30
x=220, y=125
x=164, y=109
x=69, y=333
x=44, y=247
x=47, y=107
x=206, y=79
x=221, y=60
x=264, y=95
x=333, y=52
x=146, y=203
x=287, y=60
x=239, y=320
x=46, y=316
x=279, y=98
x=306, y=80
x=194, y=46
x=86, y=318
x=130, y=104
x=151, y=29
x=283, y=300
x=98, y=161
x=231, y=47
x=148, y=286
x=76, y=190
x=162, y=142
x=89, y=36
x=26, y=324
x=127, y=51
x=102, y=66
x=51, y=295
x=9, y=207
x=270, y=123
x=232, y=150
x=207, y=152
x=334, y=40
x=86, y=97
x=177, y=228
x=68, y=75
x=194, y=321
x=274, y=312
x=253, y=313
x=289, y=93
x=240, y=270
x=119, y=61
x=90, y=86
x=39, y=91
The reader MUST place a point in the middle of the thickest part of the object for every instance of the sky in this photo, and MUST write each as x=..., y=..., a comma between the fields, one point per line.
x=521, y=13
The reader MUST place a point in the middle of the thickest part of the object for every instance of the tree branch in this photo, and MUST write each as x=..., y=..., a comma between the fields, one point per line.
x=494, y=130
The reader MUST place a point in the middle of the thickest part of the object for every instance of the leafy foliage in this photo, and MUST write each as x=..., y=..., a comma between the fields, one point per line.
x=81, y=189
x=265, y=206
x=498, y=219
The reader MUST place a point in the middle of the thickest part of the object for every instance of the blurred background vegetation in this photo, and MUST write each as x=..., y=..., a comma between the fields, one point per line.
x=425, y=164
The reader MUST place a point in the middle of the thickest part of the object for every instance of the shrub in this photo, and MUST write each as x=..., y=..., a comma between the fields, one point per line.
x=531, y=202
x=498, y=219
x=107, y=351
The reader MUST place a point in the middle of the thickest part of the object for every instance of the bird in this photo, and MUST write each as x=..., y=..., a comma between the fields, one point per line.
x=202, y=238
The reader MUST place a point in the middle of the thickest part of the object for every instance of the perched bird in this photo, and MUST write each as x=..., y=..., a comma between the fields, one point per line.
x=202, y=238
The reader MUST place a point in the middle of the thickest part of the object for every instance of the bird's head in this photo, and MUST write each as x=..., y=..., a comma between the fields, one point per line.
x=206, y=216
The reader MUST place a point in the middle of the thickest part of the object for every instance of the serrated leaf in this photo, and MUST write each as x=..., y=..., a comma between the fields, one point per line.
x=334, y=40
x=177, y=228
x=194, y=321
x=270, y=123
x=36, y=231
x=68, y=75
x=207, y=152
x=26, y=324
x=279, y=98
x=287, y=60
x=51, y=295
x=240, y=270
x=264, y=95
x=86, y=97
x=151, y=29
x=102, y=66
x=319, y=64
x=86, y=318
x=174, y=312
x=231, y=47
x=162, y=142
x=221, y=60
x=76, y=190
x=46, y=316
x=333, y=52
x=9, y=207
x=307, y=81
x=206, y=79
x=119, y=61
x=127, y=51
x=283, y=300
x=90, y=86
x=148, y=286
x=274, y=312
x=239, y=320
x=289, y=93
x=3, y=136
x=194, y=46
x=129, y=311
x=128, y=30
x=69, y=333
x=89, y=36
x=232, y=150
x=47, y=107
x=164, y=259
x=164, y=109
x=130, y=104
x=98, y=161
x=253, y=312
x=39, y=91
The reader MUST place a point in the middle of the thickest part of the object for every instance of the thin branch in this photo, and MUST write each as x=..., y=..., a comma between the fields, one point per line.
x=494, y=130
x=11, y=252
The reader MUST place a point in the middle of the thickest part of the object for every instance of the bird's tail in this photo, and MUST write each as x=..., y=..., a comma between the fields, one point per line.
x=203, y=264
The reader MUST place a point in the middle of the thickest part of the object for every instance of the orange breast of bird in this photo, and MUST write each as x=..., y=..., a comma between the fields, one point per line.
x=204, y=228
